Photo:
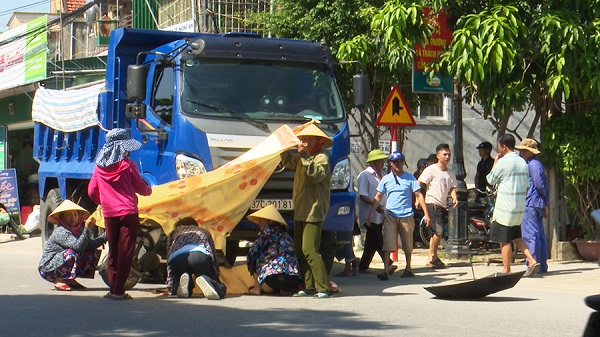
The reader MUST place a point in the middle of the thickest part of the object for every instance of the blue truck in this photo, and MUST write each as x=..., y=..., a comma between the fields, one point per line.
x=195, y=101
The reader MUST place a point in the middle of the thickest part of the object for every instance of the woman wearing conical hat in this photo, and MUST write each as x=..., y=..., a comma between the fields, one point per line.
x=70, y=251
x=272, y=259
x=311, y=203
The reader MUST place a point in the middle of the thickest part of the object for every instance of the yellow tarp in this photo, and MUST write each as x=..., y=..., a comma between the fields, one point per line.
x=220, y=198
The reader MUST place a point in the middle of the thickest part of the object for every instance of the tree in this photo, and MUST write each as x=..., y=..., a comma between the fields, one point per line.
x=347, y=27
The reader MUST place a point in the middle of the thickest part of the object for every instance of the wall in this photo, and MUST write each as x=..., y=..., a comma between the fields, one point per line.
x=422, y=139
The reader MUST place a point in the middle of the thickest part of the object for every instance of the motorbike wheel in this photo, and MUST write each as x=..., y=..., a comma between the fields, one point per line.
x=53, y=199
x=231, y=251
x=425, y=233
x=132, y=279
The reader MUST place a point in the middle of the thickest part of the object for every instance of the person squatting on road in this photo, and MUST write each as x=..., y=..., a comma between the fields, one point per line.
x=367, y=182
x=191, y=251
x=511, y=175
x=70, y=251
x=272, y=259
x=311, y=202
x=399, y=188
x=114, y=184
x=536, y=204
x=439, y=182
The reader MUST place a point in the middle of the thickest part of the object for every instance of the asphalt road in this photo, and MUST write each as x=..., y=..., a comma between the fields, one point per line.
x=551, y=305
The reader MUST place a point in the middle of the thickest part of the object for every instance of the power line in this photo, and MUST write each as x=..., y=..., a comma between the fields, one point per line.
x=18, y=9
x=65, y=18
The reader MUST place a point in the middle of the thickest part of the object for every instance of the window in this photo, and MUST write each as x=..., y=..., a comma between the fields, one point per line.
x=162, y=102
x=433, y=106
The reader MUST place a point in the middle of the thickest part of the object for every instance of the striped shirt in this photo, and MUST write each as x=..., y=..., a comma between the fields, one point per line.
x=511, y=174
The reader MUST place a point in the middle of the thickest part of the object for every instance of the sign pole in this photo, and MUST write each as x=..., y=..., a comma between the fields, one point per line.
x=393, y=148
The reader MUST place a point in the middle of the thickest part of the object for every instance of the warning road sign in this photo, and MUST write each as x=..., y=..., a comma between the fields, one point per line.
x=395, y=111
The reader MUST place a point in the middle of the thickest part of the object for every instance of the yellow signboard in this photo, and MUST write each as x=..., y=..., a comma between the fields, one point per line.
x=395, y=111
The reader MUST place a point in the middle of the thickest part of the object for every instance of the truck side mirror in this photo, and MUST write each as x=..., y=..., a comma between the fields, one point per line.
x=360, y=86
x=136, y=82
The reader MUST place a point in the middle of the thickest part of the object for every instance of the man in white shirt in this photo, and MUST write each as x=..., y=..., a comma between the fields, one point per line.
x=367, y=182
x=440, y=182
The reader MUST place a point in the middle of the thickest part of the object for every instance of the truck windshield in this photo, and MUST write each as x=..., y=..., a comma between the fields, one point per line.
x=265, y=90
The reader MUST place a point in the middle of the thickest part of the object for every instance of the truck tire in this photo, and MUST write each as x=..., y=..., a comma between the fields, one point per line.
x=53, y=199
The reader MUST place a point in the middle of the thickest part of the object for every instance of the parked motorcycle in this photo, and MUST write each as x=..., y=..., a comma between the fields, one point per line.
x=149, y=260
x=478, y=225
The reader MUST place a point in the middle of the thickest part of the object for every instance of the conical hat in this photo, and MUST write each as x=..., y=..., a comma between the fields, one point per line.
x=66, y=205
x=269, y=213
x=313, y=130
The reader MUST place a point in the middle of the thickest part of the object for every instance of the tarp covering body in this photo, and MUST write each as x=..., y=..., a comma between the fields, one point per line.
x=218, y=199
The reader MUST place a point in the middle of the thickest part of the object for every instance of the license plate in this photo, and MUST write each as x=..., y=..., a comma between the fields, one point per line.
x=280, y=204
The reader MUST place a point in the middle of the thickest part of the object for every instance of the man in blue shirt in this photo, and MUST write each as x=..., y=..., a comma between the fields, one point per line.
x=536, y=204
x=399, y=187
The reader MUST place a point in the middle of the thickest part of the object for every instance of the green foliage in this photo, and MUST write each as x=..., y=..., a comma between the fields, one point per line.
x=571, y=147
x=486, y=56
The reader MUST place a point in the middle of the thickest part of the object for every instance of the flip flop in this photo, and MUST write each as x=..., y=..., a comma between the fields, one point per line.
x=63, y=287
x=532, y=270
x=407, y=273
x=78, y=286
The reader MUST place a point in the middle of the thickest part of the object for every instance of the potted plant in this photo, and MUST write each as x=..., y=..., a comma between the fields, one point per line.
x=571, y=148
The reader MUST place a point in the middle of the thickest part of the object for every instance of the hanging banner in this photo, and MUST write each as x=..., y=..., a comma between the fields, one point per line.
x=422, y=81
x=23, y=53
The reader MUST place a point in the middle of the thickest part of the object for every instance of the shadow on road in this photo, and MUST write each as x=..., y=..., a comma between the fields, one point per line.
x=69, y=315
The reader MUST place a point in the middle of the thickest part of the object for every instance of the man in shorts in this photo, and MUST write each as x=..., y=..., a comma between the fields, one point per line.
x=511, y=174
x=439, y=181
x=399, y=187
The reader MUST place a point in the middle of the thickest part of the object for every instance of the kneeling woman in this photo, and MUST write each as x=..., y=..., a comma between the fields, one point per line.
x=191, y=251
x=273, y=259
x=70, y=251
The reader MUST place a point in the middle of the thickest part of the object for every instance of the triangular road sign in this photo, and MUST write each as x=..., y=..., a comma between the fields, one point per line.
x=395, y=111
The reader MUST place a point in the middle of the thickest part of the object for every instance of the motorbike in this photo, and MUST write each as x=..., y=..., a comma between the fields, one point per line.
x=149, y=260
x=478, y=225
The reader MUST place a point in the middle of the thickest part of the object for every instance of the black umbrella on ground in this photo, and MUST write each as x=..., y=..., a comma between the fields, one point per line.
x=477, y=288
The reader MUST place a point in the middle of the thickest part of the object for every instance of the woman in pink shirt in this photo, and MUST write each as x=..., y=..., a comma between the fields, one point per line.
x=114, y=185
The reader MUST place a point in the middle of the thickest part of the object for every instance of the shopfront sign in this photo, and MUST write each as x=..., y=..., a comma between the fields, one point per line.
x=423, y=81
x=23, y=53
x=9, y=194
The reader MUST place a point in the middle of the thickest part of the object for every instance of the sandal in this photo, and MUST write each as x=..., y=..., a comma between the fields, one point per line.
x=323, y=294
x=407, y=273
x=63, y=287
x=383, y=276
x=78, y=286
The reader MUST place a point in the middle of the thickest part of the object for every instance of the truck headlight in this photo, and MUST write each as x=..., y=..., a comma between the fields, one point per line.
x=340, y=177
x=188, y=167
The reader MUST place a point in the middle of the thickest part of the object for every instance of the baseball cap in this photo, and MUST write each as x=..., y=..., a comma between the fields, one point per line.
x=485, y=145
x=396, y=155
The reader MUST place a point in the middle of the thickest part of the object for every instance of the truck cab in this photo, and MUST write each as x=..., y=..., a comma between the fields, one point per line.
x=195, y=102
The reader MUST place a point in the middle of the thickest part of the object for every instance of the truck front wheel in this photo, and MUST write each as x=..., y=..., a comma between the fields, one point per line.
x=53, y=199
